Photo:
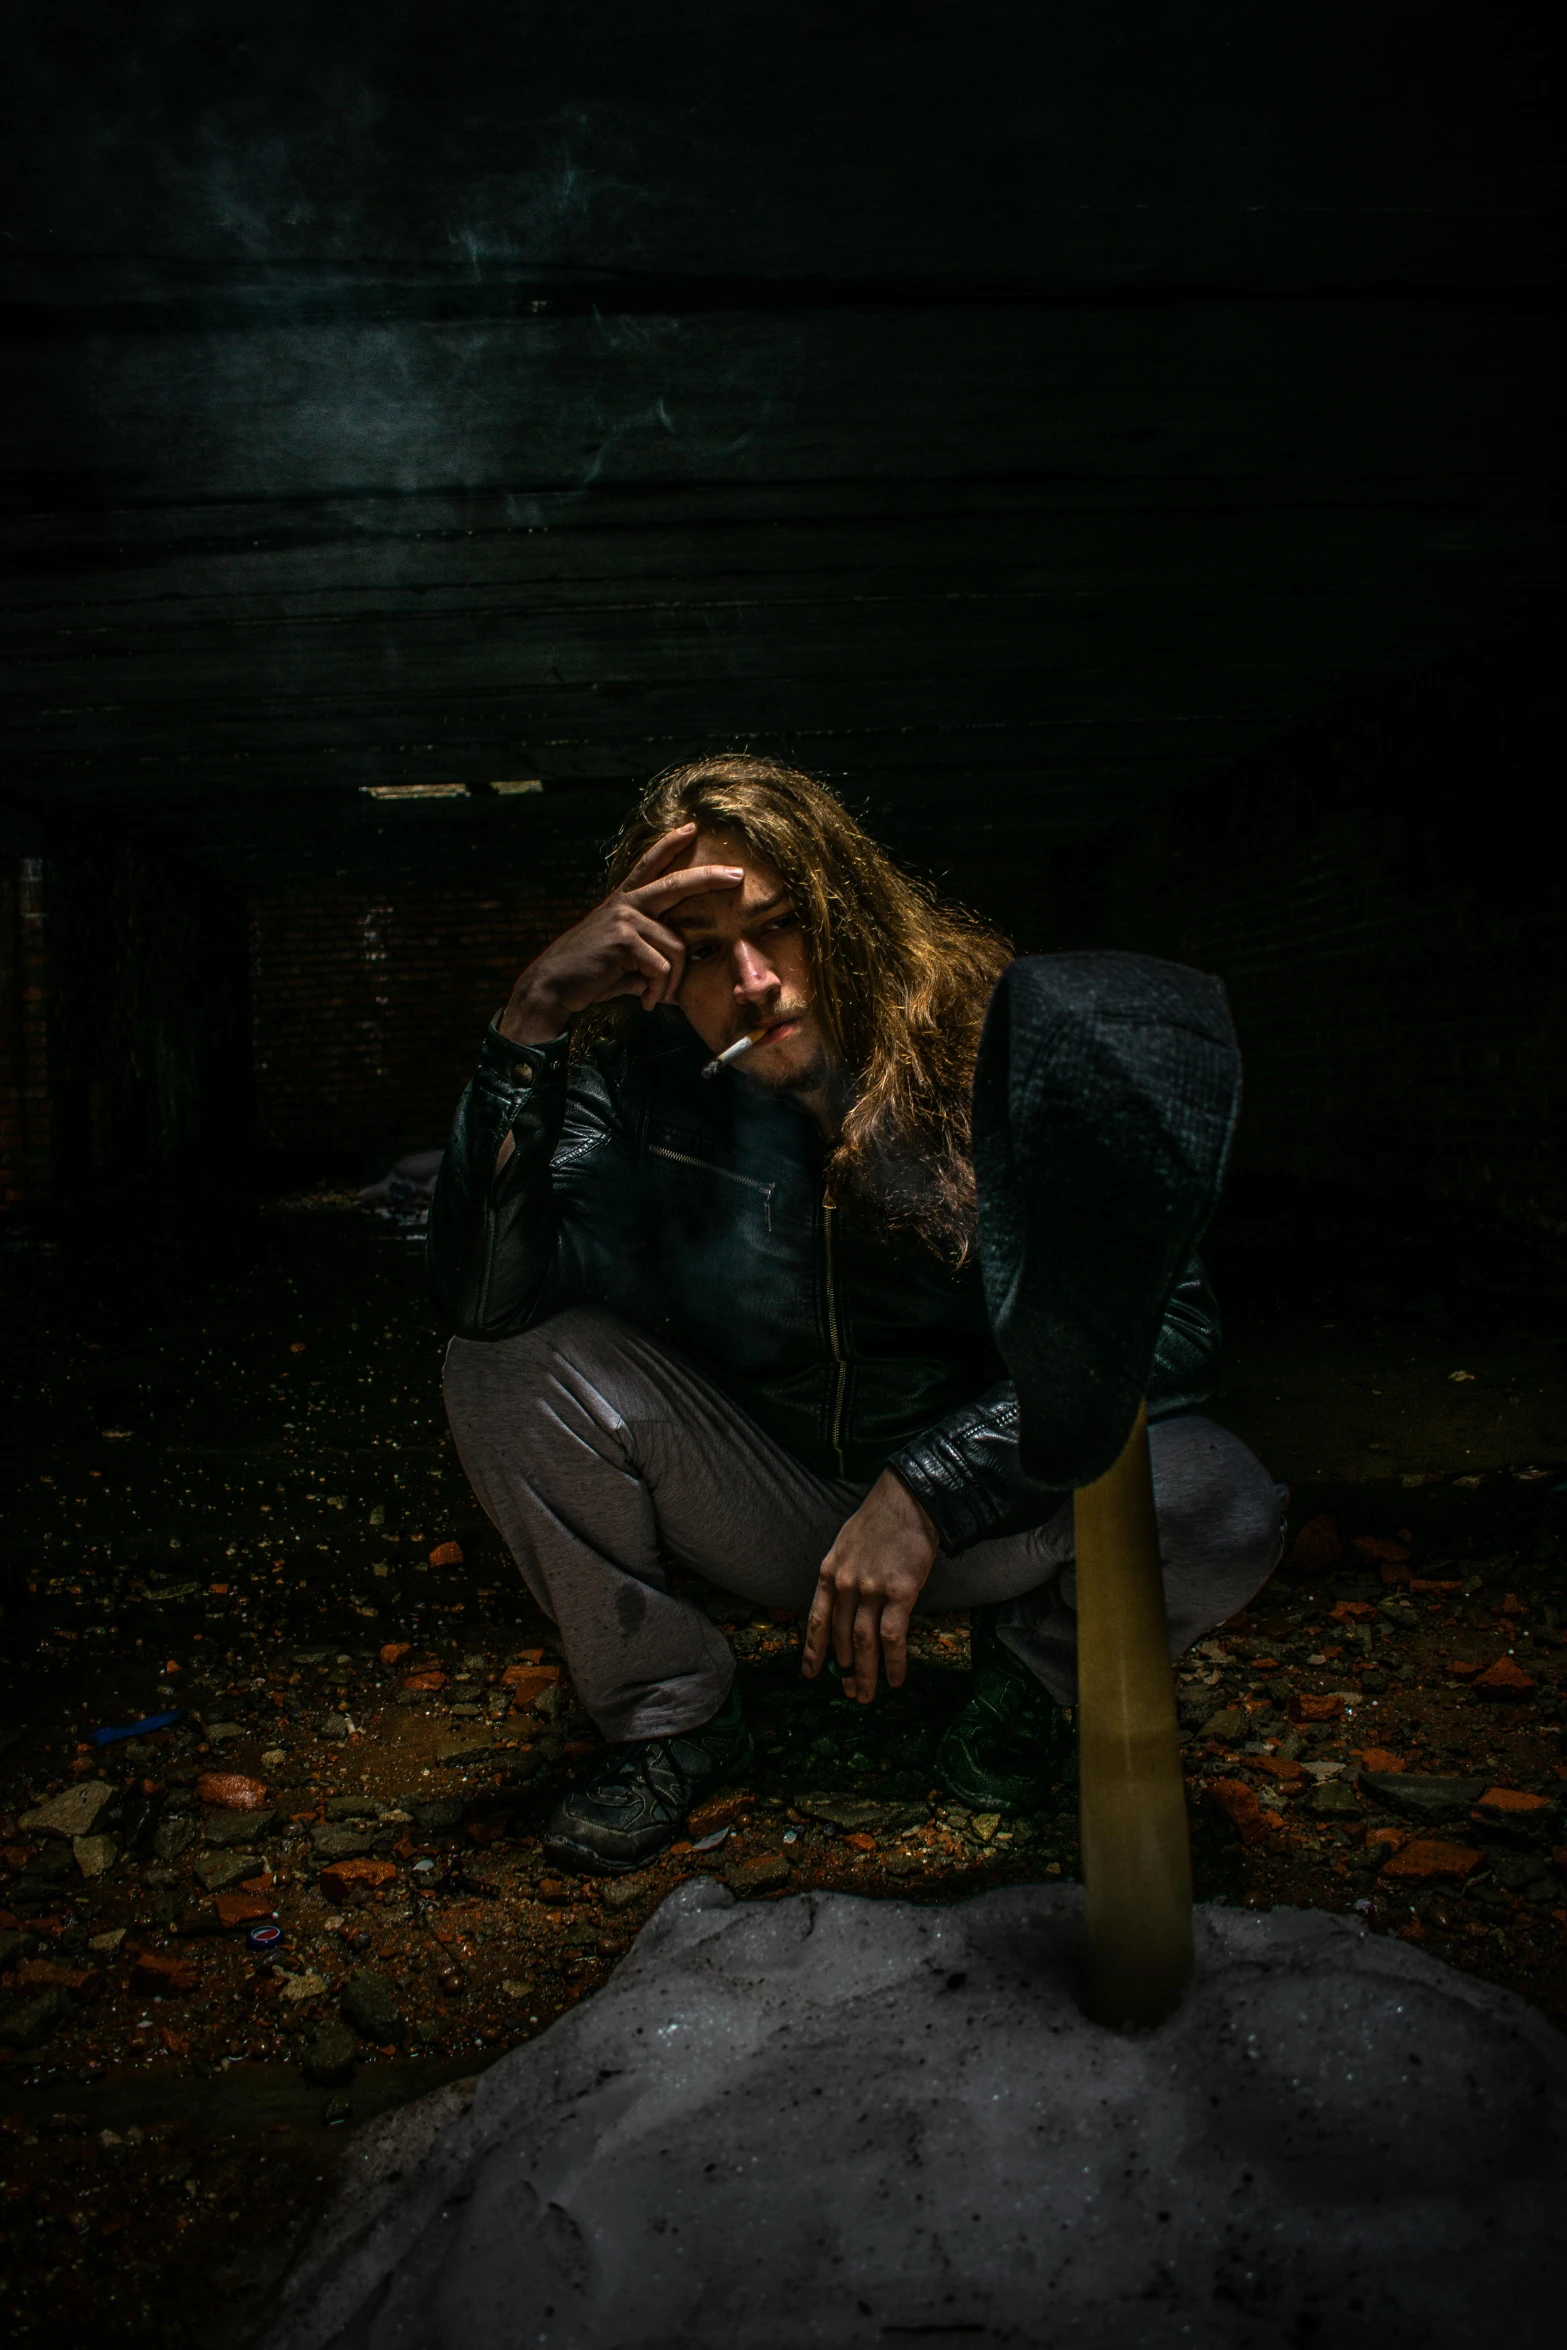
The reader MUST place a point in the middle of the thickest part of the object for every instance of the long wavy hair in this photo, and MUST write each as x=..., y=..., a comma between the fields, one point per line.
x=899, y=981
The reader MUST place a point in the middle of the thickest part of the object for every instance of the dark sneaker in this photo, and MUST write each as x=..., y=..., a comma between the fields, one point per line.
x=633, y=1807
x=1012, y=1741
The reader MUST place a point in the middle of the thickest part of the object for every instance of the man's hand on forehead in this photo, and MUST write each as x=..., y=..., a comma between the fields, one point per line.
x=624, y=947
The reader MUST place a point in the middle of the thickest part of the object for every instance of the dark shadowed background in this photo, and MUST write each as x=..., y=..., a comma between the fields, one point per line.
x=1115, y=445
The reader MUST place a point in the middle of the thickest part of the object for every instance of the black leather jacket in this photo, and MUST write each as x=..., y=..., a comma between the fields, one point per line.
x=697, y=1208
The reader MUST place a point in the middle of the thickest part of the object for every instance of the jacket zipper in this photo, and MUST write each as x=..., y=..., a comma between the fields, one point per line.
x=835, y=1336
x=656, y=1150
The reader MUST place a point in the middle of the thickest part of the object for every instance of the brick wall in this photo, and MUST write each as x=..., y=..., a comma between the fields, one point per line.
x=1387, y=905
x=122, y=1020
x=368, y=1006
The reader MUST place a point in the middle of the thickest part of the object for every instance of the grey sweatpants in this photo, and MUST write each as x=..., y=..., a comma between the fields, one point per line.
x=600, y=1458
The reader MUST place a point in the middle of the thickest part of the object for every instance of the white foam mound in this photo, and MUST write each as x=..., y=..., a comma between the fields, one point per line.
x=830, y=2121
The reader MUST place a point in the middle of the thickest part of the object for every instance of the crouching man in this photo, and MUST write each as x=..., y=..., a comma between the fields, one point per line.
x=730, y=1318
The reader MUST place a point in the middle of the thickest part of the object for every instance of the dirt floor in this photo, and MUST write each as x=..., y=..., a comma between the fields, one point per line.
x=235, y=1503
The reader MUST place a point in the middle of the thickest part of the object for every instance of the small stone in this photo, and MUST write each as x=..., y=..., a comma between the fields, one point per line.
x=1333, y=1796
x=433, y=1815
x=274, y=1758
x=1428, y=1860
x=762, y=1875
x=328, y=2061
x=95, y=1855
x=241, y=1909
x=621, y=1892
x=1228, y=1724
x=394, y=1651
x=446, y=1554
x=333, y=1726
x=230, y=1791
x=108, y=1942
x=349, y=1880
x=352, y=1807
x=297, y=1989
x=172, y=1837
x=370, y=2006
x=338, y=1840
x=237, y=1827
x=27, y=2023
x=214, y=1871
x=1504, y=1681
x=517, y=1990
x=528, y=1683
x=984, y=1825
x=69, y=1815
x=426, y=1682
x=223, y=1733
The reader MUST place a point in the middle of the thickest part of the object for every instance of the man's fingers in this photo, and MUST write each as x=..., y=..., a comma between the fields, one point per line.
x=687, y=881
x=867, y=1649
x=817, y=1626
x=844, y=1602
x=654, y=860
x=895, y=1643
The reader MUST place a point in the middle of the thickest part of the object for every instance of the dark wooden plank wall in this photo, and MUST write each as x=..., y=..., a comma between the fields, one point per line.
x=1017, y=412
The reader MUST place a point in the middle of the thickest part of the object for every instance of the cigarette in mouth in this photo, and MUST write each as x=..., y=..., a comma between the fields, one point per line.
x=734, y=1052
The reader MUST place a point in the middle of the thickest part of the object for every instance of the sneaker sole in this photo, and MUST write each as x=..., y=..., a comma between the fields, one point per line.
x=587, y=1862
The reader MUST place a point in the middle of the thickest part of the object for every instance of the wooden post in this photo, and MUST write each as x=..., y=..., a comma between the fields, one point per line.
x=1137, y=1865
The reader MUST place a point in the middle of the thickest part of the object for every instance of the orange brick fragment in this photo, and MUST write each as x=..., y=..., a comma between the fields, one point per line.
x=446, y=1554
x=1430, y=1860
x=351, y=1880
x=1279, y=1767
x=230, y=1791
x=1511, y=1803
x=1374, y=1546
x=528, y=1683
x=1377, y=1758
x=241, y=1909
x=861, y=1843
x=37, y=1974
x=1418, y=1583
x=164, y=1978
x=719, y=1811
x=395, y=1651
x=1504, y=1680
x=432, y=1678
x=1240, y=1807
x=1386, y=1839
x=1304, y=1707
x=1463, y=1668
x=1353, y=1611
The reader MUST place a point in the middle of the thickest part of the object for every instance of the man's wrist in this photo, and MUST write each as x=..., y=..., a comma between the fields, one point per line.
x=532, y=1019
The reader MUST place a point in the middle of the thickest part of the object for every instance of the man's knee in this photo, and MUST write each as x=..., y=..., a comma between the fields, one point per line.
x=1216, y=1502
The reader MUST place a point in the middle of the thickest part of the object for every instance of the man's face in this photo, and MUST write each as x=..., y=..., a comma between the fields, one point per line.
x=747, y=968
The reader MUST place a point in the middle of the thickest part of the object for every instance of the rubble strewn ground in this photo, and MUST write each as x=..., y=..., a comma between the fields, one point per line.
x=237, y=1504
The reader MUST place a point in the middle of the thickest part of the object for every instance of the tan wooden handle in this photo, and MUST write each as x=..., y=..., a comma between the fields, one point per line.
x=1137, y=1863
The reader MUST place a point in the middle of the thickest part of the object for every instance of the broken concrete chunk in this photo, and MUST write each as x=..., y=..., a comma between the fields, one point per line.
x=213, y=1871
x=95, y=1855
x=369, y=2004
x=72, y=1814
x=1421, y=1795
x=238, y=1827
x=858, y=1813
x=27, y=2023
x=333, y=1840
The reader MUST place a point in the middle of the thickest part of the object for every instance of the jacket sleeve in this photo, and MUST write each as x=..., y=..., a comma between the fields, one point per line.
x=964, y=1469
x=503, y=1248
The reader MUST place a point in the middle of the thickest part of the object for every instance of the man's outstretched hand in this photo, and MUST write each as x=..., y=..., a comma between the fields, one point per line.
x=869, y=1582
x=622, y=948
